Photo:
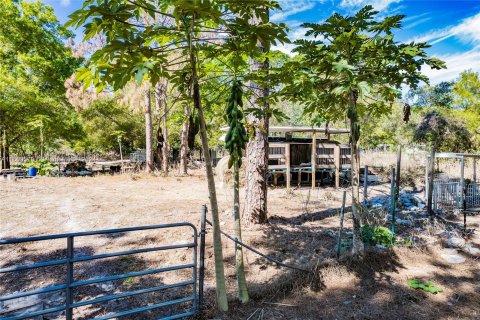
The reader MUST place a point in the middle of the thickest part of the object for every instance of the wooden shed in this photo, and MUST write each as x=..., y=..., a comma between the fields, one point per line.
x=306, y=151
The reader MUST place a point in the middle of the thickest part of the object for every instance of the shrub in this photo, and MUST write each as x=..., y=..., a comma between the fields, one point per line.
x=377, y=235
x=43, y=166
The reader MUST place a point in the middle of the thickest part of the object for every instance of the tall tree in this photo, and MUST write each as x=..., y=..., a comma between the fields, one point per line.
x=354, y=68
x=257, y=148
x=148, y=129
x=137, y=50
x=35, y=62
x=161, y=106
x=467, y=90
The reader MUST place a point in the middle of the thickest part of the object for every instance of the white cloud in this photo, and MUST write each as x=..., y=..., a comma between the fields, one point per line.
x=456, y=63
x=416, y=23
x=467, y=31
x=376, y=4
x=291, y=7
x=65, y=3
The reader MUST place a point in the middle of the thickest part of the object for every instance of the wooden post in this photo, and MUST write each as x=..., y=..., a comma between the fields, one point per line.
x=397, y=180
x=287, y=163
x=429, y=181
x=314, y=157
x=365, y=185
x=337, y=163
x=426, y=175
x=474, y=170
x=392, y=197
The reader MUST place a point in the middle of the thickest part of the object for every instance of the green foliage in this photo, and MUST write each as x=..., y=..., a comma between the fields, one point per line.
x=425, y=286
x=467, y=91
x=354, y=54
x=106, y=120
x=44, y=167
x=236, y=138
x=373, y=235
x=443, y=133
x=34, y=65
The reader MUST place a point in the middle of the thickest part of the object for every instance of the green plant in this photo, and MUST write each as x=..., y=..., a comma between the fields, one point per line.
x=44, y=167
x=377, y=235
x=425, y=286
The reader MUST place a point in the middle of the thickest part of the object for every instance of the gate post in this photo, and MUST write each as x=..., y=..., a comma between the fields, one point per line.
x=69, y=290
x=201, y=275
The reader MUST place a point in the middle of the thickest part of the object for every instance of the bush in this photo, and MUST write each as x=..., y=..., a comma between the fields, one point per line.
x=377, y=235
x=43, y=166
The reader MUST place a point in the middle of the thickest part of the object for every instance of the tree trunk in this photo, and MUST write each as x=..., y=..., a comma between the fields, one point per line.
x=431, y=173
x=241, y=280
x=148, y=131
x=221, y=291
x=158, y=152
x=5, y=156
x=184, y=145
x=161, y=102
x=357, y=246
x=257, y=149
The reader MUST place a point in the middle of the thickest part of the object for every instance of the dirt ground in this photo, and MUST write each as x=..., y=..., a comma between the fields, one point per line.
x=299, y=232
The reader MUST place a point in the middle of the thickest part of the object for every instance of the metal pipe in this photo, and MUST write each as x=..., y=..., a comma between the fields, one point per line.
x=342, y=215
x=69, y=293
x=201, y=272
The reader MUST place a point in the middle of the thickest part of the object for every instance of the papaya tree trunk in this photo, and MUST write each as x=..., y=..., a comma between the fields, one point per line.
x=241, y=280
x=148, y=131
x=221, y=291
x=257, y=148
x=184, y=145
x=358, y=246
x=161, y=102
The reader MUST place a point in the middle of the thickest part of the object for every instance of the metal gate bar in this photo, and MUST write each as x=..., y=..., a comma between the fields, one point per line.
x=70, y=260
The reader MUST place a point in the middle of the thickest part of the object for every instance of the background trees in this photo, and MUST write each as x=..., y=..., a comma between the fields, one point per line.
x=34, y=113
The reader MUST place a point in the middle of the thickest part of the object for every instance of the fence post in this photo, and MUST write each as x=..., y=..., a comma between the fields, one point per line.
x=69, y=291
x=392, y=197
x=201, y=275
x=342, y=215
x=365, y=186
x=399, y=162
x=462, y=181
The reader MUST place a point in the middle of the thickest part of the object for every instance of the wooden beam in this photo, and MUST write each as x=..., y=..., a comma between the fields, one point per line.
x=287, y=163
x=314, y=157
x=336, y=155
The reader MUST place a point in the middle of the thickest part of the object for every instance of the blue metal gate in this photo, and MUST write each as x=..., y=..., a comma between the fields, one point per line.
x=189, y=303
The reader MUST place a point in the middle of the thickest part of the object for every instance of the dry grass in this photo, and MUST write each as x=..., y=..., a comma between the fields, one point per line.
x=298, y=233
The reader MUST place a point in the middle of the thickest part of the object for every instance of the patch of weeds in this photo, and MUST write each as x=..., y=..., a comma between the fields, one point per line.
x=425, y=286
x=129, y=281
x=373, y=235
x=329, y=196
x=405, y=242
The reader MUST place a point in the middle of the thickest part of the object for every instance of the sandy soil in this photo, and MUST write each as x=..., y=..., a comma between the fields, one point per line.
x=299, y=233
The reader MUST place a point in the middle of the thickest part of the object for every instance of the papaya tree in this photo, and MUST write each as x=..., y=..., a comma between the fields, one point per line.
x=355, y=68
x=235, y=142
x=137, y=49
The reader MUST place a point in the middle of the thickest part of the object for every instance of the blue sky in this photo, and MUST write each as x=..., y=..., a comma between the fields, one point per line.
x=452, y=27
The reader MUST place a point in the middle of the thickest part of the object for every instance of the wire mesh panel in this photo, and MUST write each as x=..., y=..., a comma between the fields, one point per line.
x=449, y=195
x=446, y=195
